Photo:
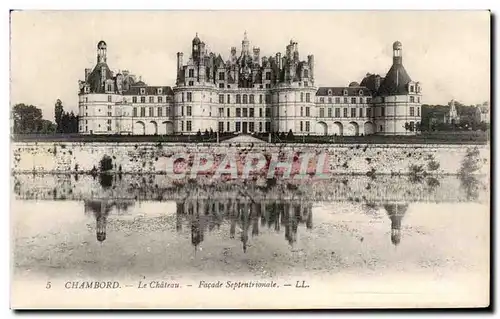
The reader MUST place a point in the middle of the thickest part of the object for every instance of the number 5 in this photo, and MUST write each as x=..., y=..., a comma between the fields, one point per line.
x=48, y=285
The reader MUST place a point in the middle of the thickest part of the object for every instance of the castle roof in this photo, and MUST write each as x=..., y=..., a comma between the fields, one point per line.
x=95, y=77
x=395, y=82
x=149, y=90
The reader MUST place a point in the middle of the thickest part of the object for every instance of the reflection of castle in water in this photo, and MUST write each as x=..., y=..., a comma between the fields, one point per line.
x=101, y=210
x=206, y=214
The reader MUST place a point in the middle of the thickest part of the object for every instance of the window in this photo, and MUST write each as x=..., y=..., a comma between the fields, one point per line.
x=143, y=91
x=159, y=91
x=252, y=99
x=329, y=112
x=308, y=126
x=260, y=112
x=134, y=111
x=168, y=111
x=109, y=98
x=191, y=73
x=321, y=100
x=110, y=114
x=134, y=99
x=221, y=85
x=143, y=99
x=189, y=110
x=238, y=112
x=345, y=92
x=109, y=121
x=221, y=76
x=109, y=128
x=188, y=126
x=301, y=97
x=301, y=126
x=251, y=126
x=143, y=111
x=268, y=112
x=337, y=112
x=308, y=97
x=418, y=99
x=321, y=112
x=238, y=99
x=151, y=99
x=182, y=95
x=221, y=126
x=268, y=76
x=228, y=114
x=382, y=111
x=238, y=126
x=330, y=92
x=268, y=86
x=360, y=92
x=268, y=98
x=412, y=111
x=191, y=83
x=345, y=112
x=245, y=99
x=353, y=112
x=268, y=126
x=160, y=113
x=418, y=111
x=345, y=100
x=337, y=100
x=353, y=100
x=245, y=112
x=228, y=126
x=189, y=96
x=330, y=100
x=160, y=99
x=182, y=110
x=251, y=112
x=151, y=112
x=412, y=99
x=308, y=111
x=306, y=83
x=361, y=100
x=361, y=112
x=260, y=126
x=260, y=99
x=368, y=112
x=301, y=111
x=221, y=111
x=86, y=99
x=306, y=73
x=412, y=89
x=182, y=125
x=368, y=99
x=221, y=98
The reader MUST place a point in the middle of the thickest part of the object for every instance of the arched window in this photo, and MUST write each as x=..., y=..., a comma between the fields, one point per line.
x=345, y=92
x=360, y=92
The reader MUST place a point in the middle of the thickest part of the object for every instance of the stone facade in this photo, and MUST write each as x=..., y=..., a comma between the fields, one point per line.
x=247, y=93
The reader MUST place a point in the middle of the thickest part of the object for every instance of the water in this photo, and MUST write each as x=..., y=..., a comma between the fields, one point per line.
x=137, y=226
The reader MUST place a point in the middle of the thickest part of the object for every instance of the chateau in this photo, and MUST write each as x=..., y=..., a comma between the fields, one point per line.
x=247, y=93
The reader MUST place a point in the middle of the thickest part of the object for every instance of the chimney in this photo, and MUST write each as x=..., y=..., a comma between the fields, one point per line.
x=310, y=61
x=377, y=82
x=278, y=60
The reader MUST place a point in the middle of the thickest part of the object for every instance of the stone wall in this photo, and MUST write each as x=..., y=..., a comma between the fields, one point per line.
x=341, y=159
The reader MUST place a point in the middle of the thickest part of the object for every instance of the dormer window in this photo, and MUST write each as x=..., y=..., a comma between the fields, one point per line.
x=360, y=92
x=345, y=92
x=330, y=92
x=306, y=73
x=159, y=91
x=412, y=88
x=143, y=91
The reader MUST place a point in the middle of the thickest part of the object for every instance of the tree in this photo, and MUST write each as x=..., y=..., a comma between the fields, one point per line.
x=27, y=119
x=290, y=136
x=211, y=133
x=58, y=114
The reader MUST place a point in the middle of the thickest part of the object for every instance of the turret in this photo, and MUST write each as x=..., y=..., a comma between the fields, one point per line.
x=101, y=52
x=310, y=62
x=397, y=53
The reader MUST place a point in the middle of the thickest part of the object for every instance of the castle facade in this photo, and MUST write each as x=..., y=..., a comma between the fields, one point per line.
x=247, y=93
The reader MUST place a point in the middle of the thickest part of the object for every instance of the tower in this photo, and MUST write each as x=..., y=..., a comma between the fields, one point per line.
x=397, y=53
x=195, y=48
x=101, y=52
x=245, y=45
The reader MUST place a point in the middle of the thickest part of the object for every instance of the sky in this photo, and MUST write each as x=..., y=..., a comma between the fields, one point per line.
x=448, y=52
